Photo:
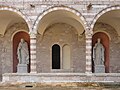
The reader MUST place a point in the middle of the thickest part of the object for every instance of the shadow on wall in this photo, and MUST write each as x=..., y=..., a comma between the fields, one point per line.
x=0, y=77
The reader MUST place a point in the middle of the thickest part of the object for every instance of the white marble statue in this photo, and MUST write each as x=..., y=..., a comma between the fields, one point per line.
x=98, y=53
x=22, y=52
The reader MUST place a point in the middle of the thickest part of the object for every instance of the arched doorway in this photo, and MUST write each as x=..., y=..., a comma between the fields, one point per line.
x=16, y=40
x=55, y=56
x=105, y=41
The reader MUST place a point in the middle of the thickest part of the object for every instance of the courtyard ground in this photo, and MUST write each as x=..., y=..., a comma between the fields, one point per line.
x=60, y=86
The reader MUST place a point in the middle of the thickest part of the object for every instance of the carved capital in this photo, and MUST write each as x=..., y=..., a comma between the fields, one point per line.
x=88, y=35
x=32, y=35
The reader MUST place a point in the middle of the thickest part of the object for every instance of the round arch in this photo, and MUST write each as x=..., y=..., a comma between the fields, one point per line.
x=103, y=32
x=57, y=8
x=21, y=14
x=18, y=32
x=117, y=7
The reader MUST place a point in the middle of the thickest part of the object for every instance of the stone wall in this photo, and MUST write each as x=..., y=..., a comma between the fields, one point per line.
x=6, y=51
x=54, y=78
x=114, y=45
x=60, y=34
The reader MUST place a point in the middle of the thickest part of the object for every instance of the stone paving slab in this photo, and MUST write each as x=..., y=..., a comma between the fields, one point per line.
x=60, y=86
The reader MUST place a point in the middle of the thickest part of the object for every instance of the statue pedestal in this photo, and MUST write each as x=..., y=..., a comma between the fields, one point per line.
x=22, y=68
x=99, y=69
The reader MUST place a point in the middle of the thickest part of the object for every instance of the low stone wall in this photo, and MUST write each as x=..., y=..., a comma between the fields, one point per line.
x=60, y=77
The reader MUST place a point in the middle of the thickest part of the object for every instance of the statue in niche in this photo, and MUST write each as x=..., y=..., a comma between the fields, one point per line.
x=22, y=52
x=98, y=53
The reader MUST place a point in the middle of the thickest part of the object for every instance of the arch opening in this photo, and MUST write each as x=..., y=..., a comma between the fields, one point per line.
x=108, y=20
x=62, y=26
x=110, y=17
x=9, y=18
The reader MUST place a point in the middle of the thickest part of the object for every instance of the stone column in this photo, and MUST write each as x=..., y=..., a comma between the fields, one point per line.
x=88, y=53
x=33, y=52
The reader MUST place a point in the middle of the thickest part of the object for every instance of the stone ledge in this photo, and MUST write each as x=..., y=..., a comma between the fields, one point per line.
x=61, y=77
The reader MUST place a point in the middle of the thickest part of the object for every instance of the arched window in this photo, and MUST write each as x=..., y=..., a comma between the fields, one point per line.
x=66, y=57
x=56, y=56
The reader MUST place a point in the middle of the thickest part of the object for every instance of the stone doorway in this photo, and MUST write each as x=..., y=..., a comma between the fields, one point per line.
x=16, y=40
x=105, y=41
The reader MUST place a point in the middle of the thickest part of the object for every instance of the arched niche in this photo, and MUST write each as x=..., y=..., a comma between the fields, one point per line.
x=66, y=56
x=105, y=41
x=16, y=39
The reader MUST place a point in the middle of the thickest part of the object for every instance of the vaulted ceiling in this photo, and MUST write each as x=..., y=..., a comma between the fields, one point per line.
x=61, y=16
x=112, y=18
x=8, y=18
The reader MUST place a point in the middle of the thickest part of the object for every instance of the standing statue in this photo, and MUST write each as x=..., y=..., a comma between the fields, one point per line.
x=98, y=53
x=22, y=52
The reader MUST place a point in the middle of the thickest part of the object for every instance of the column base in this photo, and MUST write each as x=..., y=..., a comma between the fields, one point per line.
x=99, y=69
x=33, y=72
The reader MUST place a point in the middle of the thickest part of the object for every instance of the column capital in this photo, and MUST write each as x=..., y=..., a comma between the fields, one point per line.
x=88, y=34
x=33, y=35
x=88, y=31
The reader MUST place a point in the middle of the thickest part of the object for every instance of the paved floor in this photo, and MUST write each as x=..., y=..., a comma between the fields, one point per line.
x=58, y=88
x=65, y=86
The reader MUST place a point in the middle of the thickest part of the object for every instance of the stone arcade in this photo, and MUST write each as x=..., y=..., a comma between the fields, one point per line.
x=60, y=36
